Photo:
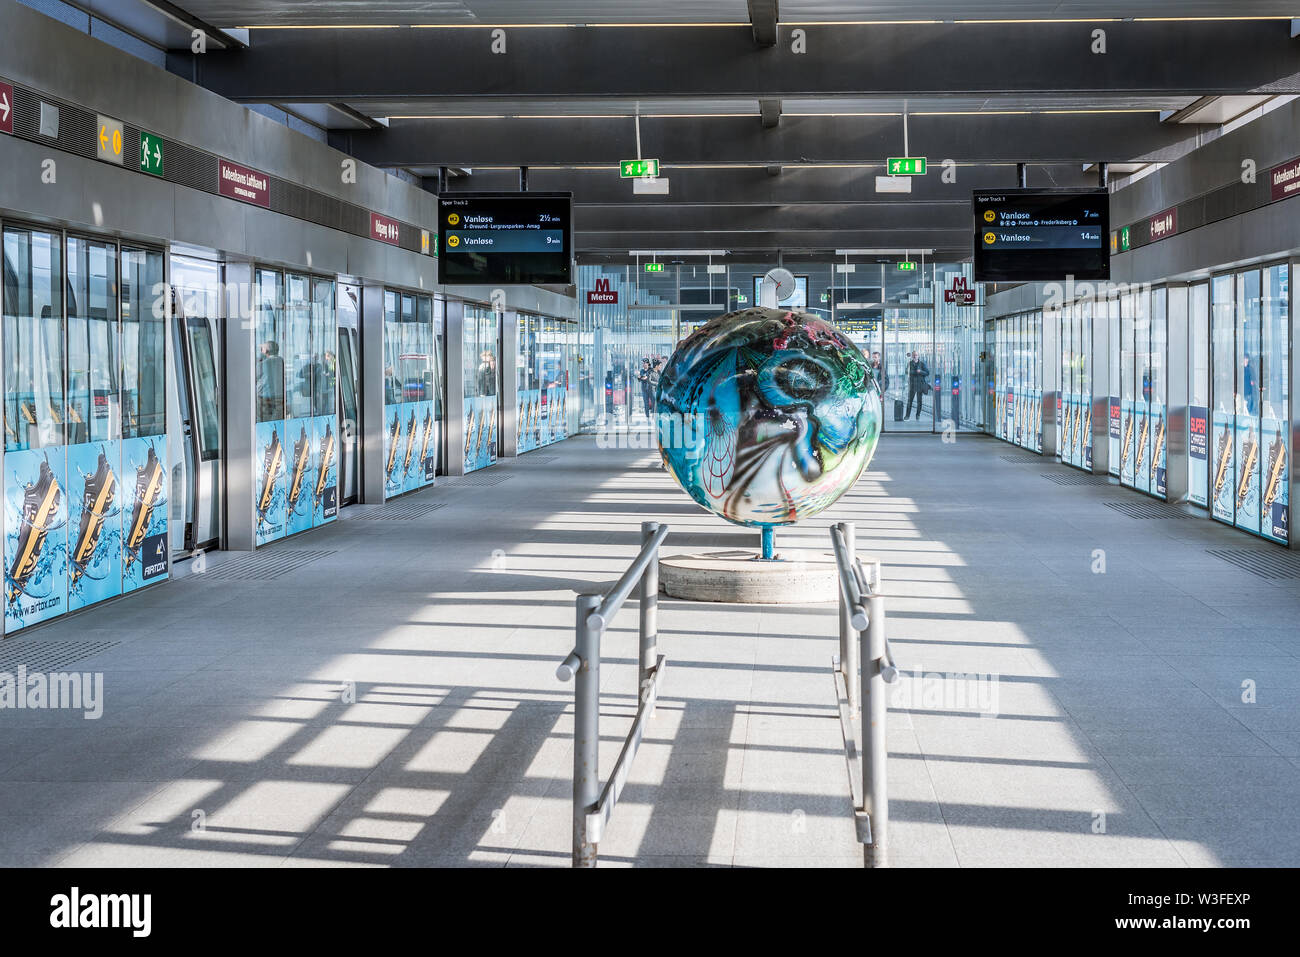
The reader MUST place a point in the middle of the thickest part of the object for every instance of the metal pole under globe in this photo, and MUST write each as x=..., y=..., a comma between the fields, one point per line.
x=767, y=543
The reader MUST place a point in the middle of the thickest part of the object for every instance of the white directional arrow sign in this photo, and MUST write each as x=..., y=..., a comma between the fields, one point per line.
x=6, y=108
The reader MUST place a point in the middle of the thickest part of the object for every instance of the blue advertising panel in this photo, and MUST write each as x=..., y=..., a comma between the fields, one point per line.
x=422, y=447
x=270, y=463
x=94, y=523
x=1222, y=485
x=557, y=424
x=1246, y=492
x=481, y=432
x=529, y=419
x=144, y=511
x=1274, y=510
x=325, y=460
x=36, y=518
x=394, y=448
x=300, y=473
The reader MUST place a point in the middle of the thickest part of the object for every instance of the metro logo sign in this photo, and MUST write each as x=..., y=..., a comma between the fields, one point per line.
x=384, y=229
x=958, y=293
x=602, y=295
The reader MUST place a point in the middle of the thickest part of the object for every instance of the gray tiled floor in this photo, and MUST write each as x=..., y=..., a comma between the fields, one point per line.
x=1120, y=735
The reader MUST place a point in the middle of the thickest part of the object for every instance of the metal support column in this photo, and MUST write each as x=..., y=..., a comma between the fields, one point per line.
x=456, y=372
x=372, y=425
x=1178, y=392
x=849, y=663
x=1100, y=380
x=241, y=441
x=649, y=613
x=586, y=730
x=875, y=753
x=1050, y=343
x=509, y=390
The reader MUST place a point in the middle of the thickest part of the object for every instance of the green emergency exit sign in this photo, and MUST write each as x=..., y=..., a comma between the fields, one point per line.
x=907, y=267
x=654, y=267
x=630, y=169
x=907, y=166
x=151, y=154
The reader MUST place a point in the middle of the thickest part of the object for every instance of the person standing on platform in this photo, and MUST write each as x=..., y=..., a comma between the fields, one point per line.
x=918, y=382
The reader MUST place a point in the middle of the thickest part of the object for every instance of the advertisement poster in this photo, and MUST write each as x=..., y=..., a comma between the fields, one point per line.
x=1159, y=426
x=1116, y=428
x=394, y=448
x=301, y=474
x=325, y=462
x=1087, y=437
x=1222, y=478
x=1246, y=492
x=1142, y=449
x=1060, y=424
x=1198, y=453
x=1274, y=506
x=269, y=463
x=529, y=419
x=1128, y=438
x=422, y=449
x=557, y=418
x=1038, y=422
x=36, y=518
x=144, y=511
x=480, y=432
x=94, y=523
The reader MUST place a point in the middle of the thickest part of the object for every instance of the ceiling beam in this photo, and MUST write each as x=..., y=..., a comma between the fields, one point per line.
x=565, y=141
x=752, y=186
x=763, y=17
x=917, y=59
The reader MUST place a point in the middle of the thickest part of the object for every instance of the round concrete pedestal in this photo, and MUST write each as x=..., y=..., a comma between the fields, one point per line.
x=796, y=578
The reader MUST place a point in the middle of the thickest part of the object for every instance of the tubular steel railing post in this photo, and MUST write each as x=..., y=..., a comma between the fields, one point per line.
x=649, y=611
x=848, y=643
x=875, y=753
x=586, y=730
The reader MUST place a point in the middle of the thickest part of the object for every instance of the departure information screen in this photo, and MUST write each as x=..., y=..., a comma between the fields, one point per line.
x=1041, y=235
x=504, y=238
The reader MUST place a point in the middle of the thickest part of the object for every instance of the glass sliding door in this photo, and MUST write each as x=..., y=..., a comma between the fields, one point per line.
x=482, y=378
x=143, y=499
x=94, y=427
x=1275, y=424
x=1198, y=406
x=1223, y=355
x=1246, y=454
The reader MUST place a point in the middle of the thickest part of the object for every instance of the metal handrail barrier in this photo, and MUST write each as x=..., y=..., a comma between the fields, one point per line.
x=862, y=670
x=592, y=805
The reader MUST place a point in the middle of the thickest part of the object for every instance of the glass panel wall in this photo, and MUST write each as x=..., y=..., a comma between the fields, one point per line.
x=628, y=315
x=482, y=374
x=412, y=393
x=296, y=433
x=544, y=350
x=1250, y=398
x=1198, y=406
x=143, y=499
x=1018, y=381
x=79, y=413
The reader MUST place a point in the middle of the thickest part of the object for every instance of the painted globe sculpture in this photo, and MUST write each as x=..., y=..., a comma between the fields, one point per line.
x=767, y=416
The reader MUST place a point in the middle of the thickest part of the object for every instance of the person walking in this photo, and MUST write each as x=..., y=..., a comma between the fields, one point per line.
x=647, y=391
x=918, y=383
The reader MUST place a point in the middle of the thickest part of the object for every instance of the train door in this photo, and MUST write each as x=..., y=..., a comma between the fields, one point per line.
x=195, y=399
x=349, y=364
